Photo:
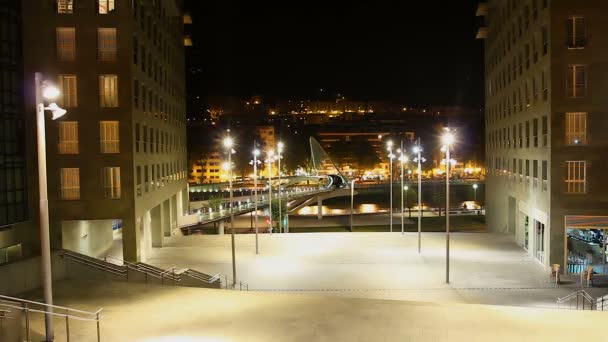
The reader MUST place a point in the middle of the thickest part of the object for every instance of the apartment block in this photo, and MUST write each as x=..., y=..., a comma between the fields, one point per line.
x=117, y=160
x=546, y=75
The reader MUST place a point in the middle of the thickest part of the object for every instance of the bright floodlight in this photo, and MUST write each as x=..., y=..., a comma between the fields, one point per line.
x=447, y=138
x=406, y=188
x=228, y=142
x=389, y=143
x=50, y=92
x=417, y=150
x=226, y=166
x=474, y=186
x=403, y=159
x=256, y=152
x=280, y=146
x=271, y=153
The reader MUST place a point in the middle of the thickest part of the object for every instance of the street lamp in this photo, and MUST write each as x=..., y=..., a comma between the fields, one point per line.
x=255, y=161
x=475, y=192
x=279, y=150
x=402, y=159
x=389, y=145
x=418, y=151
x=269, y=160
x=228, y=143
x=406, y=189
x=45, y=90
x=447, y=140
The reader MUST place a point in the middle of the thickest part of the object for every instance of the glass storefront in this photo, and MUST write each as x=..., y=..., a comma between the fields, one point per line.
x=587, y=247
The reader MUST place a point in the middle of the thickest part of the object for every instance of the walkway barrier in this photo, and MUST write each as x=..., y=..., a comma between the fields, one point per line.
x=123, y=270
x=20, y=312
x=579, y=300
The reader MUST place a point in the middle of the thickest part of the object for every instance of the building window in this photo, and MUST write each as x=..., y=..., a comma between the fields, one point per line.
x=545, y=131
x=535, y=173
x=545, y=86
x=576, y=82
x=106, y=44
x=111, y=182
x=105, y=6
x=68, y=137
x=137, y=137
x=65, y=6
x=108, y=90
x=576, y=129
x=145, y=142
x=146, y=179
x=68, y=96
x=545, y=36
x=108, y=137
x=66, y=43
x=70, y=183
x=527, y=134
x=135, y=49
x=138, y=180
x=576, y=175
x=535, y=132
x=135, y=93
x=577, y=35
x=545, y=174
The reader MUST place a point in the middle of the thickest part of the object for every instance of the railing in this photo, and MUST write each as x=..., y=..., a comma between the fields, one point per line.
x=601, y=303
x=229, y=283
x=29, y=307
x=584, y=301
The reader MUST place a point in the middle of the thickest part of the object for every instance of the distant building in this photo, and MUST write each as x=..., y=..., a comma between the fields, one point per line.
x=546, y=141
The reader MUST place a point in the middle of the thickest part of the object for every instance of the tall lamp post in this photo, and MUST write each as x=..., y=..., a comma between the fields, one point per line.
x=406, y=189
x=402, y=159
x=279, y=150
x=228, y=143
x=256, y=153
x=269, y=160
x=475, y=192
x=389, y=145
x=419, y=160
x=45, y=90
x=447, y=140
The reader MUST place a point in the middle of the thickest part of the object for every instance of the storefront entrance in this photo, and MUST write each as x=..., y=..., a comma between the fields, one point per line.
x=586, y=240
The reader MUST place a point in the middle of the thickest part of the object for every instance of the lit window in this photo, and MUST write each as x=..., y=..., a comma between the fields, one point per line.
x=65, y=6
x=68, y=137
x=577, y=35
x=66, y=43
x=105, y=6
x=576, y=128
x=108, y=136
x=576, y=81
x=70, y=183
x=106, y=44
x=576, y=175
x=108, y=90
x=111, y=182
x=68, y=96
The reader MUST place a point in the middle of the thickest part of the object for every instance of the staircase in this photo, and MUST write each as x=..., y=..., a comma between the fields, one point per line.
x=581, y=300
x=117, y=269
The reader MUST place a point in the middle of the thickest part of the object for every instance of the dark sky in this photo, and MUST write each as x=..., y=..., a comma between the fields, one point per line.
x=416, y=52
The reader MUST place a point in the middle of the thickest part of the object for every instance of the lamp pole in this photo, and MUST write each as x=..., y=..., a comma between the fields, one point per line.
x=402, y=161
x=475, y=193
x=279, y=150
x=44, y=90
x=448, y=140
x=256, y=152
x=352, y=202
x=406, y=189
x=390, y=168
x=228, y=144
x=269, y=162
x=418, y=151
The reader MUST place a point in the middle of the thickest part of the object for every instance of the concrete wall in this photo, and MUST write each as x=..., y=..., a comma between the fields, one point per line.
x=24, y=275
x=88, y=237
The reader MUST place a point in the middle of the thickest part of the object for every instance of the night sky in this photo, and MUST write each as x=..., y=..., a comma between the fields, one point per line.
x=414, y=52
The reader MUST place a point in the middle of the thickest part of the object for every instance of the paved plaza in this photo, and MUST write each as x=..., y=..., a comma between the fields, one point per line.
x=486, y=268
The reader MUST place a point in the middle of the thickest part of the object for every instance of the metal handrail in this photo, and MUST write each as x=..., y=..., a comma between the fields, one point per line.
x=89, y=262
x=48, y=309
x=578, y=294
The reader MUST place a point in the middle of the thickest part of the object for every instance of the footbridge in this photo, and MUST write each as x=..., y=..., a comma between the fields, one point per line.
x=210, y=203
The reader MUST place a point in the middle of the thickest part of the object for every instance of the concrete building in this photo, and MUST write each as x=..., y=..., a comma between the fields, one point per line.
x=206, y=170
x=117, y=159
x=546, y=74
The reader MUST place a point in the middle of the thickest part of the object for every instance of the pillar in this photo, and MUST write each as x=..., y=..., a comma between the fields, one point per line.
x=156, y=229
x=132, y=230
x=220, y=229
x=319, y=208
x=166, y=217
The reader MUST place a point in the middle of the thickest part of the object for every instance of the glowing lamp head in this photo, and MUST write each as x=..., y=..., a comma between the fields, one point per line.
x=475, y=186
x=417, y=149
x=56, y=111
x=389, y=144
x=447, y=138
x=406, y=188
x=50, y=92
x=226, y=166
x=256, y=152
x=228, y=142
